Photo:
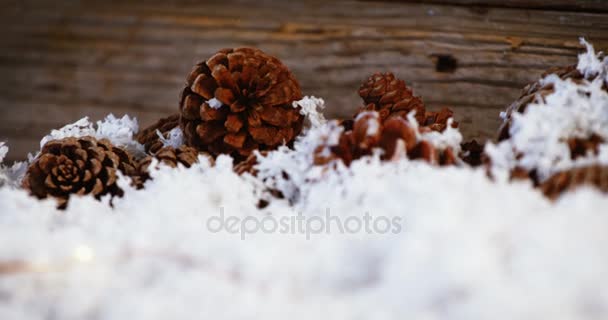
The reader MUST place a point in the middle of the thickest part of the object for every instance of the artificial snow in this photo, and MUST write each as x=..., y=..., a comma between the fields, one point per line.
x=214, y=103
x=119, y=131
x=311, y=107
x=455, y=255
x=3, y=151
x=591, y=64
x=448, y=138
x=174, y=139
x=375, y=240
x=10, y=176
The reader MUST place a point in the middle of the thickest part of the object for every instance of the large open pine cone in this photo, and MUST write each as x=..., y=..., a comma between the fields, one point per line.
x=170, y=156
x=535, y=92
x=390, y=97
x=149, y=136
x=395, y=137
x=561, y=182
x=77, y=166
x=240, y=100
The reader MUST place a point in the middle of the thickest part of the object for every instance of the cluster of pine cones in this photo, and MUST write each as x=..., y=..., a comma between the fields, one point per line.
x=240, y=100
x=237, y=101
x=383, y=124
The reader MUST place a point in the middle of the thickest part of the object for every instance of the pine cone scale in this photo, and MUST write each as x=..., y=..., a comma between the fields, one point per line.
x=191, y=107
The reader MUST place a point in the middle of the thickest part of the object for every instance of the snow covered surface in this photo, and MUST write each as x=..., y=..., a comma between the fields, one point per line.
x=312, y=108
x=444, y=242
x=456, y=255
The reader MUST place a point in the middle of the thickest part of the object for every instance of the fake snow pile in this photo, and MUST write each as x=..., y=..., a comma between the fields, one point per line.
x=382, y=240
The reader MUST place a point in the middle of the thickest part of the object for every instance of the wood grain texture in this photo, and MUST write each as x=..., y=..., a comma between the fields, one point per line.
x=63, y=61
x=562, y=5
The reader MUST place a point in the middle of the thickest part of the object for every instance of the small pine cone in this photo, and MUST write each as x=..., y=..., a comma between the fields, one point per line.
x=240, y=100
x=77, y=166
x=535, y=92
x=472, y=153
x=395, y=137
x=149, y=137
x=169, y=156
x=561, y=182
x=438, y=121
x=390, y=97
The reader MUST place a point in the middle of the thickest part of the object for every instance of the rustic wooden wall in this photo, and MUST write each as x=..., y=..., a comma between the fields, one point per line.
x=61, y=61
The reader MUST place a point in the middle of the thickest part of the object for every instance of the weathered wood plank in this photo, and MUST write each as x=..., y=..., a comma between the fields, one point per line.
x=61, y=61
x=563, y=5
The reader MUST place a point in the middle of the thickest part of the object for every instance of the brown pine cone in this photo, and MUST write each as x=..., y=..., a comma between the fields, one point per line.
x=149, y=138
x=252, y=107
x=395, y=137
x=535, y=92
x=438, y=121
x=77, y=166
x=390, y=97
x=561, y=182
x=169, y=156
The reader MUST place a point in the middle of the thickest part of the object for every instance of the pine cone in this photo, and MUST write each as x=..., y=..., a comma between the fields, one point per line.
x=395, y=137
x=169, y=156
x=561, y=182
x=438, y=121
x=390, y=97
x=149, y=137
x=77, y=166
x=536, y=92
x=240, y=100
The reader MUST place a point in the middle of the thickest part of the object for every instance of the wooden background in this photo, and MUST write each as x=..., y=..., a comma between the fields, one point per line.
x=62, y=60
